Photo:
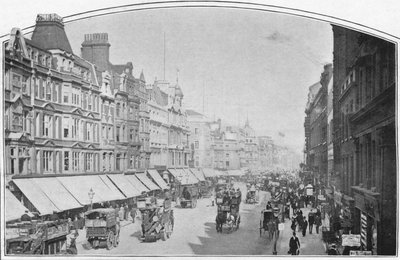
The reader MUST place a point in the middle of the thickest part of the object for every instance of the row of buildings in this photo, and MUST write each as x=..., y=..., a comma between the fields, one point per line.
x=222, y=146
x=66, y=113
x=76, y=114
x=350, y=137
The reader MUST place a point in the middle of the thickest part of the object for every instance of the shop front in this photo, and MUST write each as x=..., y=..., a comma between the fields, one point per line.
x=367, y=219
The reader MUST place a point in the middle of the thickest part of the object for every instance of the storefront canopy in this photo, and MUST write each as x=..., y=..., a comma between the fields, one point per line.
x=177, y=174
x=124, y=185
x=147, y=182
x=235, y=173
x=80, y=186
x=209, y=173
x=113, y=188
x=14, y=208
x=188, y=177
x=136, y=183
x=57, y=193
x=198, y=173
x=36, y=196
x=157, y=178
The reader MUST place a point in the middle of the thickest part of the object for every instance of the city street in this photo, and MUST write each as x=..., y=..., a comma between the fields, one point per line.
x=195, y=234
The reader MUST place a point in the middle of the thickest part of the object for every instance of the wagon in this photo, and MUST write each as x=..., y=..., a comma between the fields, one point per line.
x=43, y=238
x=102, y=227
x=157, y=223
x=188, y=198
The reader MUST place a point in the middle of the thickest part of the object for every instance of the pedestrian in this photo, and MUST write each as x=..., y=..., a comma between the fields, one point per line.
x=121, y=213
x=304, y=226
x=318, y=223
x=293, y=226
x=126, y=211
x=294, y=245
x=311, y=220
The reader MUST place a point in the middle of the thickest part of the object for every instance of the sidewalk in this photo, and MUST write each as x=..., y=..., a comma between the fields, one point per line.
x=311, y=244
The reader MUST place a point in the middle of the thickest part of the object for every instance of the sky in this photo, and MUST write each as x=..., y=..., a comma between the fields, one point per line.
x=247, y=64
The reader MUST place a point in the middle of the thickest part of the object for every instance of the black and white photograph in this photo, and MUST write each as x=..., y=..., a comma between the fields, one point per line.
x=184, y=129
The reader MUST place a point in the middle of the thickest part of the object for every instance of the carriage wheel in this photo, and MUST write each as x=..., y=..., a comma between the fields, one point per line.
x=163, y=235
x=169, y=229
x=110, y=240
x=116, y=240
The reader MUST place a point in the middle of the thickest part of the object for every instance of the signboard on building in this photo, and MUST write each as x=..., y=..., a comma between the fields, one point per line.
x=351, y=240
x=359, y=253
x=321, y=197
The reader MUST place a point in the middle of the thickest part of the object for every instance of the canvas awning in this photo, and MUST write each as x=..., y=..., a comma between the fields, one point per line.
x=14, y=208
x=136, y=183
x=80, y=186
x=157, y=178
x=146, y=181
x=209, y=173
x=57, y=193
x=36, y=196
x=235, y=173
x=177, y=174
x=192, y=177
x=113, y=188
x=124, y=185
x=198, y=173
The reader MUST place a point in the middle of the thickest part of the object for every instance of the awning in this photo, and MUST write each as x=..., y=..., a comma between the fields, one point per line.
x=157, y=178
x=79, y=187
x=198, y=173
x=122, y=182
x=177, y=174
x=136, y=183
x=235, y=173
x=57, y=193
x=192, y=177
x=187, y=177
x=14, y=208
x=36, y=196
x=146, y=181
x=209, y=173
x=113, y=188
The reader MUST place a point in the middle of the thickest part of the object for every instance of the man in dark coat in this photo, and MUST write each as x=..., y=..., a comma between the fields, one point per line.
x=318, y=223
x=304, y=226
x=311, y=221
x=294, y=245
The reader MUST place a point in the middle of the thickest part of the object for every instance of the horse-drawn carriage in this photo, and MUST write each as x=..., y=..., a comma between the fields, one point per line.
x=269, y=221
x=228, y=212
x=157, y=220
x=188, y=196
x=102, y=227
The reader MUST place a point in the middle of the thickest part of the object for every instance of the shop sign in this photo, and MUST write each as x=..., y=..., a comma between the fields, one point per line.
x=338, y=197
x=358, y=253
x=371, y=207
x=351, y=240
x=321, y=197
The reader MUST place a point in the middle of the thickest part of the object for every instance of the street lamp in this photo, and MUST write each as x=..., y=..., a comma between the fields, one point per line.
x=91, y=195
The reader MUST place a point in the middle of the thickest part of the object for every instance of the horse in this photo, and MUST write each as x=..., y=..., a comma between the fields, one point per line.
x=220, y=220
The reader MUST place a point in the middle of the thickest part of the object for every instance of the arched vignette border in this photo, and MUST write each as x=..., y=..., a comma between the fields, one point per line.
x=239, y=5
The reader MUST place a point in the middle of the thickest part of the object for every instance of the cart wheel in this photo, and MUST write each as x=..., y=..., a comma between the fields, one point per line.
x=116, y=240
x=163, y=235
x=169, y=230
x=110, y=240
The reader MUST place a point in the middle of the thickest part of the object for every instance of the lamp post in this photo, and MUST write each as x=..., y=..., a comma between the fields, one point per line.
x=91, y=195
